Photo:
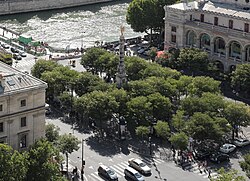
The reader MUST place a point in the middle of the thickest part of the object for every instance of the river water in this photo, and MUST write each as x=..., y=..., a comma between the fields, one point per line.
x=73, y=26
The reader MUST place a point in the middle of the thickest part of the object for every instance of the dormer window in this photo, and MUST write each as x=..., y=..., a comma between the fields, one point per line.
x=202, y=18
x=230, y=22
x=216, y=21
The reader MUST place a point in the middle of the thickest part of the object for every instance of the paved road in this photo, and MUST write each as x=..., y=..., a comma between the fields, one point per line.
x=112, y=154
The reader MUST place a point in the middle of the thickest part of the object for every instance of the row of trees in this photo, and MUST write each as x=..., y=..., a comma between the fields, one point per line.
x=41, y=161
x=153, y=92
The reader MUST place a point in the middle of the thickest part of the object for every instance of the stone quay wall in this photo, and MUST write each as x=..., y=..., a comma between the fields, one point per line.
x=20, y=6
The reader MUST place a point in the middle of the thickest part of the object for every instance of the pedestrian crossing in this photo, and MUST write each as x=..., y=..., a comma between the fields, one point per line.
x=193, y=167
x=119, y=168
x=24, y=65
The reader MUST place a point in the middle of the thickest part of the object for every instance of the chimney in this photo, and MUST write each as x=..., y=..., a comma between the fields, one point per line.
x=20, y=79
x=2, y=80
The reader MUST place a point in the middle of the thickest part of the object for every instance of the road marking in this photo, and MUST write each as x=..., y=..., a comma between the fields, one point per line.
x=111, y=160
x=118, y=172
x=97, y=177
x=91, y=167
x=125, y=164
x=121, y=169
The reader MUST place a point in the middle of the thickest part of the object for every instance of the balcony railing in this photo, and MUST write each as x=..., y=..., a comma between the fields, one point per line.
x=220, y=29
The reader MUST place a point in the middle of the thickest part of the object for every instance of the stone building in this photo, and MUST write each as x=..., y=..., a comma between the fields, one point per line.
x=22, y=108
x=220, y=27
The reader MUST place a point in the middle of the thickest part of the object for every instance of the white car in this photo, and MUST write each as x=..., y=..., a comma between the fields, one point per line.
x=139, y=165
x=241, y=142
x=227, y=148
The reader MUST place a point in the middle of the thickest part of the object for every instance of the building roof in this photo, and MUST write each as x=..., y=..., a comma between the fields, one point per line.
x=215, y=7
x=15, y=81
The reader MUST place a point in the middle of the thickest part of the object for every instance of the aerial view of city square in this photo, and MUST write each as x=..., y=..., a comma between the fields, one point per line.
x=128, y=90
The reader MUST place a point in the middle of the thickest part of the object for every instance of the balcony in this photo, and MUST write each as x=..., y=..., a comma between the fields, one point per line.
x=221, y=30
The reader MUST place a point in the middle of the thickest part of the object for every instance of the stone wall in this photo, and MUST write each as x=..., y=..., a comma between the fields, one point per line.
x=15, y=6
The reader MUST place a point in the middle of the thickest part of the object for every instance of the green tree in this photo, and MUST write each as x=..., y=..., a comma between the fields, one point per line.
x=121, y=97
x=99, y=106
x=202, y=84
x=52, y=132
x=42, y=66
x=66, y=100
x=139, y=110
x=153, y=53
x=231, y=175
x=202, y=127
x=162, y=129
x=161, y=106
x=140, y=88
x=241, y=79
x=142, y=131
x=193, y=58
x=147, y=15
x=178, y=121
x=179, y=140
x=237, y=115
x=67, y=143
x=90, y=59
x=42, y=163
x=13, y=164
x=135, y=67
x=245, y=165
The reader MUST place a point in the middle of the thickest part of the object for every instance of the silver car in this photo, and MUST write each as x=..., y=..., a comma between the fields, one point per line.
x=139, y=165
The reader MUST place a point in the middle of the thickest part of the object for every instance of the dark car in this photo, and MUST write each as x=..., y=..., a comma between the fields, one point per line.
x=107, y=172
x=5, y=46
x=14, y=50
x=202, y=154
x=219, y=157
x=16, y=56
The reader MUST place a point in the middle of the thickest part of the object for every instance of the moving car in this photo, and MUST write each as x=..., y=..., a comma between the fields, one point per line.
x=219, y=157
x=133, y=174
x=241, y=142
x=16, y=56
x=139, y=165
x=107, y=172
x=227, y=148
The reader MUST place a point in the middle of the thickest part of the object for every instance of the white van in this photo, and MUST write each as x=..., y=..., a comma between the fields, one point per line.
x=133, y=174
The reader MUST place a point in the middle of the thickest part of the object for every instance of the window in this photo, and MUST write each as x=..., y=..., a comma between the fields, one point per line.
x=23, y=103
x=191, y=17
x=23, y=141
x=202, y=17
x=23, y=122
x=216, y=21
x=1, y=127
x=173, y=29
x=246, y=27
x=173, y=38
x=1, y=141
x=231, y=24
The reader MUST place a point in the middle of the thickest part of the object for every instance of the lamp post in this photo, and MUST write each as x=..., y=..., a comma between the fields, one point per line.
x=67, y=162
x=83, y=161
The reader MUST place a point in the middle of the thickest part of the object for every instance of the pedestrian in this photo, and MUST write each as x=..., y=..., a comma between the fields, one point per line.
x=209, y=173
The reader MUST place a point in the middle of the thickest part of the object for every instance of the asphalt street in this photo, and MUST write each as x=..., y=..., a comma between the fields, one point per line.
x=110, y=153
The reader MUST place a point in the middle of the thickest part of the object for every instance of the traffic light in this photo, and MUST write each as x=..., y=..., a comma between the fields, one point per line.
x=83, y=163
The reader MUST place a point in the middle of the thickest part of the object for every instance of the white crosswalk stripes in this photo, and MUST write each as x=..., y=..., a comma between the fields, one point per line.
x=119, y=169
x=193, y=167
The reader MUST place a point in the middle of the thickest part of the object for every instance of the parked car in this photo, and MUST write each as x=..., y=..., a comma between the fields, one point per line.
x=133, y=174
x=5, y=46
x=219, y=157
x=241, y=142
x=16, y=56
x=202, y=154
x=227, y=148
x=139, y=165
x=107, y=172
x=14, y=50
x=22, y=54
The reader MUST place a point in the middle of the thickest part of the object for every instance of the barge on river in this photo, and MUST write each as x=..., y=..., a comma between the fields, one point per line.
x=21, y=6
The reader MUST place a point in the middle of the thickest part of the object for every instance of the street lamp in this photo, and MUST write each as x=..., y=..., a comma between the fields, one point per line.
x=83, y=161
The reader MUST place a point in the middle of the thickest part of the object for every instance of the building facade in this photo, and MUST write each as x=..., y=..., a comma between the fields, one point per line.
x=220, y=27
x=22, y=108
